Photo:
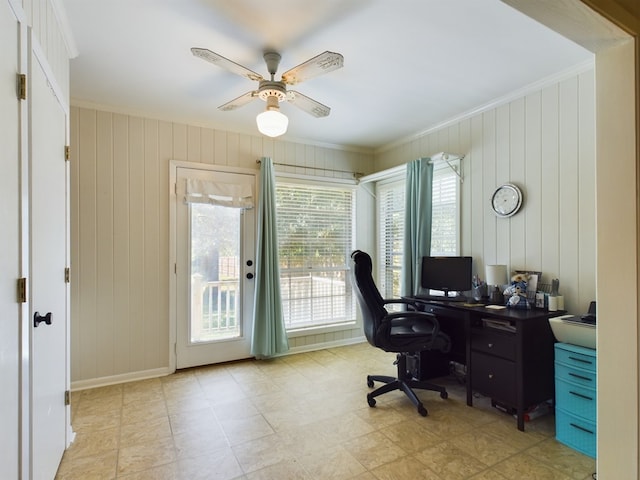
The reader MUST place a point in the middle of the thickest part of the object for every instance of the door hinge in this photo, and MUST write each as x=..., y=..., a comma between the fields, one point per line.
x=67, y=153
x=22, y=290
x=67, y=275
x=21, y=84
x=67, y=397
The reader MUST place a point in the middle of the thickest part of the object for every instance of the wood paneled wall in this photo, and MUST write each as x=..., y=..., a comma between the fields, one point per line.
x=120, y=232
x=544, y=143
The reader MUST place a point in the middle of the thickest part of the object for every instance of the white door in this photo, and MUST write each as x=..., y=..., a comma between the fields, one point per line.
x=10, y=318
x=48, y=225
x=215, y=251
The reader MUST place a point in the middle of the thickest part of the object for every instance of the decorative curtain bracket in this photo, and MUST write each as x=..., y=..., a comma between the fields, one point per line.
x=448, y=158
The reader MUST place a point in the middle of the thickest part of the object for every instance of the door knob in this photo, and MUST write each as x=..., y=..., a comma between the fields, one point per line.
x=38, y=319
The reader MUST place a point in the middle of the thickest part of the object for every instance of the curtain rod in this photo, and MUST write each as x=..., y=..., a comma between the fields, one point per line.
x=355, y=174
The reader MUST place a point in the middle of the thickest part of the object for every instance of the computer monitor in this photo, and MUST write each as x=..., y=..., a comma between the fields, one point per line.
x=447, y=274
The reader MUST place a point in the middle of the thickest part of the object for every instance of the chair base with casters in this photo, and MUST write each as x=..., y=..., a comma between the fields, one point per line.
x=404, y=382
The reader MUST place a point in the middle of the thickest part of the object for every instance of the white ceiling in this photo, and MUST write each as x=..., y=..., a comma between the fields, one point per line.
x=408, y=64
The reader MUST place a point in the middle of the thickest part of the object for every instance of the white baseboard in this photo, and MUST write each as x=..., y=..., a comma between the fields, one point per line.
x=161, y=372
x=325, y=345
x=122, y=378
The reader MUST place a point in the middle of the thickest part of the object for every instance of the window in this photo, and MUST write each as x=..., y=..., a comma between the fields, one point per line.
x=315, y=240
x=445, y=223
x=390, y=212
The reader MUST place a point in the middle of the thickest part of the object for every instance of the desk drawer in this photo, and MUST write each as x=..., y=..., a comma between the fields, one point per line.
x=574, y=356
x=494, y=342
x=494, y=377
x=578, y=376
x=576, y=399
x=576, y=432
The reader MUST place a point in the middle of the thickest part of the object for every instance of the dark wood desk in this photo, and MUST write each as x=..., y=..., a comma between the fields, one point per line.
x=508, y=353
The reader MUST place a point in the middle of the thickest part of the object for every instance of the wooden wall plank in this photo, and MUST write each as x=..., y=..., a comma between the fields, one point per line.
x=549, y=209
x=121, y=248
x=586, y=198
x=87, y=272
x=501, y=175
x=568, y=194
x=155, y=351
x=533, y=176
x=137, y=275
x=516, y=224
x=104, y=309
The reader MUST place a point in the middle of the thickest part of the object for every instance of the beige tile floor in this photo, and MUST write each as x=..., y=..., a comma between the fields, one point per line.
x=303, y=416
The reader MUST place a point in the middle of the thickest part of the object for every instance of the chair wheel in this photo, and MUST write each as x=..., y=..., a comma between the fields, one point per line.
x=422, y=411
x=371, y=401
x=369, y=383
x=444, y=395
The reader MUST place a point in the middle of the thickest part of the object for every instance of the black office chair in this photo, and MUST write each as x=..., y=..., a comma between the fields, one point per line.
x=405, y=333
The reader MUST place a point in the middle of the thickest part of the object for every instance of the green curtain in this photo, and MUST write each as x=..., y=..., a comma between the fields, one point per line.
x=269, y=333
x=417, y=222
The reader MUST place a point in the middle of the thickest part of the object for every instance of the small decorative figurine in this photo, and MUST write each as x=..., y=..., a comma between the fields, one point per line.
x=517, y=292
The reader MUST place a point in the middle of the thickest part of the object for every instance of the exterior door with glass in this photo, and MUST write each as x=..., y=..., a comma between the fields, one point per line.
x=215, y=248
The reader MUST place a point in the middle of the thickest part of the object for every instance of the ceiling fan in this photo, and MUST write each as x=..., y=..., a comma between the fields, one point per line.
x=271, y=122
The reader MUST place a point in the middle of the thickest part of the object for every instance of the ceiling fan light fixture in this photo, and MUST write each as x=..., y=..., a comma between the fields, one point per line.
x=271, y=122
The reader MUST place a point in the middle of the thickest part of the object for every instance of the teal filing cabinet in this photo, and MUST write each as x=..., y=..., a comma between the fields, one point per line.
x=575, y=377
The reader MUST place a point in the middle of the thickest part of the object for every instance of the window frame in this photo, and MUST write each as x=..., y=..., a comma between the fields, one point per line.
x=397, y=178
x=336, y=183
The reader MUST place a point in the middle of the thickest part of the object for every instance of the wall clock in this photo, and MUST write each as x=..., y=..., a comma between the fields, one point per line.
x=506, y=200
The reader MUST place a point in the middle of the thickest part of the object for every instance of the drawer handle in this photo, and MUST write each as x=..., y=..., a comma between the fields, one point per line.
x=581, y=428
x=582, y=360
x=580, y=395
x=491, y=376
x=580, y=377
x=490, y=345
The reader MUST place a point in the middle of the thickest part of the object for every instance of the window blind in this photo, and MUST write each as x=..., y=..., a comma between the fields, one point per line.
x=390, y=236
x=445, y=225
x=444, y=219
x=315, y=239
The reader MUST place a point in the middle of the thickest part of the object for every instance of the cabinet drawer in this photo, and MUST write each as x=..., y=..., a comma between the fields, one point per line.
x=494, y=377
x=576, y=399
x=578, y=376
x=576, y=432
x=574, y=356
x=493, y=342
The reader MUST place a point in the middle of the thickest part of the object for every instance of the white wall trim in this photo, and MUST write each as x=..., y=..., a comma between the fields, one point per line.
x=323, y=346
x=117, y=379
x=516, y=94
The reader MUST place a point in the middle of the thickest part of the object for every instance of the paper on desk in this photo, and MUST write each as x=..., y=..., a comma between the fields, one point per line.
x=495, y=307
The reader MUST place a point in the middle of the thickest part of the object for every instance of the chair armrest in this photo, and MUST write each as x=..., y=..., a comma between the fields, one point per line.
x=410, y=316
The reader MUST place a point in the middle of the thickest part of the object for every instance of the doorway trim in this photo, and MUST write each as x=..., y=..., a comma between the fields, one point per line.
x=174, y=165
x=610, y=31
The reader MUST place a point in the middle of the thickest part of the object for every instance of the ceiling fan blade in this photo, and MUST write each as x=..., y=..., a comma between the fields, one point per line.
x=307, y=104
x=225, y=63
x=324, y=63
x=239, y=102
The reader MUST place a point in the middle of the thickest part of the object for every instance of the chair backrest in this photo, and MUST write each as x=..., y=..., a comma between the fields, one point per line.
x=369, y=298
